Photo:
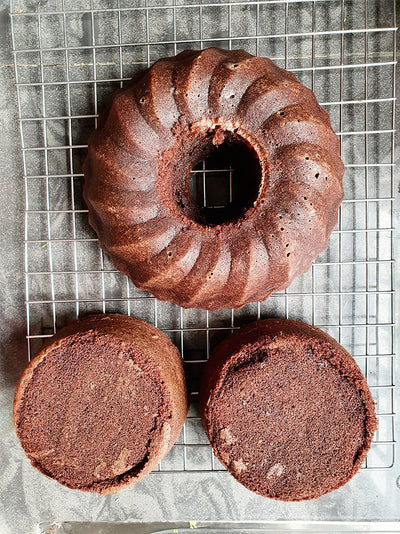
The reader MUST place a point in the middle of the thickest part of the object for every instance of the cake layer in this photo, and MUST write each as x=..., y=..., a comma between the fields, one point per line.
x=100, y=406
x=287, y=410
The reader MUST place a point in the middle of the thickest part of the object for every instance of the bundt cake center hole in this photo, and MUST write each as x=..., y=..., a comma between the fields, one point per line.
x=226, y=183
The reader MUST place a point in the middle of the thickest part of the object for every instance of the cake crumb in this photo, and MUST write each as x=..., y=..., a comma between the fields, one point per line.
x=219, y=137
x=275, y=471
x=227, y=436
x=238, y=466
x=98, y=472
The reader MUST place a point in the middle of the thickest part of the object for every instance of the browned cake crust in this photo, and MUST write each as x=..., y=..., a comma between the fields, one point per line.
x=287, y=410
x=165, y=121
x=102, y=403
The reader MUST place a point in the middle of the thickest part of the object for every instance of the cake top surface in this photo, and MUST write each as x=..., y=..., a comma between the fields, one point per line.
x=160, y=226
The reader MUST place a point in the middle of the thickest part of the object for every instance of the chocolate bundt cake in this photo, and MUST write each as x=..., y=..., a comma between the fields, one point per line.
x=287, y=410
x=102, y=403
x=172, y=116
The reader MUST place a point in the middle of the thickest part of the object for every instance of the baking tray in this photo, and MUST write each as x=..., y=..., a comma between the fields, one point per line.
x=69, y=56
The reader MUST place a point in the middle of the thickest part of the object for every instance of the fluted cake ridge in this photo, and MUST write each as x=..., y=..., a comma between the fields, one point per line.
x=166, y=120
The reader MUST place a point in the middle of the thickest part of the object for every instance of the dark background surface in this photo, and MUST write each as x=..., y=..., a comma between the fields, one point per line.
x=27, y=497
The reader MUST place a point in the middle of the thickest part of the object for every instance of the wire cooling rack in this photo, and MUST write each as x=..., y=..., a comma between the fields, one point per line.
x=71, y=55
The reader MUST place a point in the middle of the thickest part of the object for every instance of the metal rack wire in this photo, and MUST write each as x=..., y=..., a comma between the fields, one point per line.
x=69, y=56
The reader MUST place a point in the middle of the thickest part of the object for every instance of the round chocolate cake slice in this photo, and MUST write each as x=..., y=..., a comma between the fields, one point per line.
x=287, y=410
x=102, y=403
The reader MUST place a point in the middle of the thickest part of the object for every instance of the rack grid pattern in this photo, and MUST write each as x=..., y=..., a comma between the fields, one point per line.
x=71, y=55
